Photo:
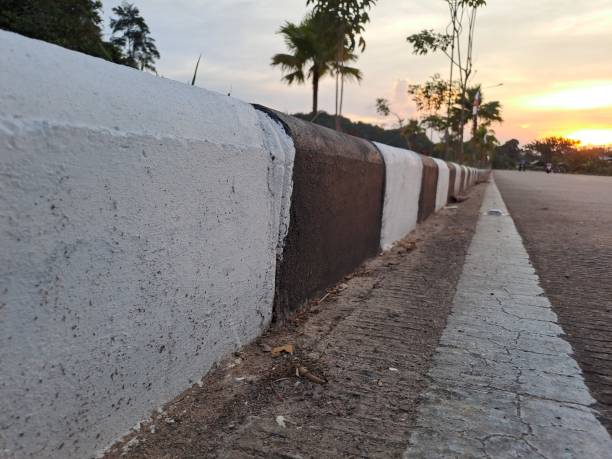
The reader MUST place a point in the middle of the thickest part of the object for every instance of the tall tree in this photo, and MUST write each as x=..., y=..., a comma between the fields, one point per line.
x=312, y=54
x=553, y=149
x=131, y=32
x=348, y=19
x=416, y=139
x=383, y=108
x=488, y=112
x=457, y=44
x=73, y=24
x=508, y=155
x=430, y=98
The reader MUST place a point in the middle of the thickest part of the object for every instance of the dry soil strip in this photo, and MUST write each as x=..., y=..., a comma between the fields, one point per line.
x=504, y=382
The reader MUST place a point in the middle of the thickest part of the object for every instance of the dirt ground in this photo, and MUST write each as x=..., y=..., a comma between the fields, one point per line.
x=362, y=352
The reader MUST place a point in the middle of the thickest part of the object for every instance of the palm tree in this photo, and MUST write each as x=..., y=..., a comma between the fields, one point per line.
x=346, y=74
x=312, y=54
x=485, y=142
x=488, y=113
x=411, y=132
x=135, y=37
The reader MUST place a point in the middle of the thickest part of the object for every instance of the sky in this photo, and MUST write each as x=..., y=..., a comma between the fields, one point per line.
x=552, y=57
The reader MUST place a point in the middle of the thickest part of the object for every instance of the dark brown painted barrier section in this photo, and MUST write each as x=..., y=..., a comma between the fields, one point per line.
x=336, y=211
x=429, y=185
x=451, y=181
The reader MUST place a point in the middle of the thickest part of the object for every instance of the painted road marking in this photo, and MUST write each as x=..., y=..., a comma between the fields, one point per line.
x=503, y=380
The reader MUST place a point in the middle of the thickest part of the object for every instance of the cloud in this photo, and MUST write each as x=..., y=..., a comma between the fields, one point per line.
x=533, y=47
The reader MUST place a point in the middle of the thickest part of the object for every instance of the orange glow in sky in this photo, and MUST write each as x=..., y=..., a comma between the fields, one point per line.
x=584, y=96
x=592, y=136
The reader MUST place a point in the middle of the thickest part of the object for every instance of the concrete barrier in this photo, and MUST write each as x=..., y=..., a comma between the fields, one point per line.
x=139, y=229
x=404, y=174
x=451, y=181
x=429, y=188
x=336, y=211
x=464, y=179
x=458, y=179
x=443, y=184
x=148, y=228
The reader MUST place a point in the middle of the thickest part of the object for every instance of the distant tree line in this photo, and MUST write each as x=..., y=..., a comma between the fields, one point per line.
x=77, y=25
x=564, y=154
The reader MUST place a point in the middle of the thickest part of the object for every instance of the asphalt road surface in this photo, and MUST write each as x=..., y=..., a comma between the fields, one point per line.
x=566, y=225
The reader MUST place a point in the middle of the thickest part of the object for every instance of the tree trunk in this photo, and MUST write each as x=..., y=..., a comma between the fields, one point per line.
x=339, y=50
x=449, y=156
x=341, y=93
x=315, y=93
x=336, y=108
x=461, y=127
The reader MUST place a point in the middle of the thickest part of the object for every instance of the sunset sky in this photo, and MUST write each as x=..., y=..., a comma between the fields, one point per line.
x=554, y=58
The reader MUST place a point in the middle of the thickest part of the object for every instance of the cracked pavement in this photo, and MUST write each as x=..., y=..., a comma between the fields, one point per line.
x=504, y=382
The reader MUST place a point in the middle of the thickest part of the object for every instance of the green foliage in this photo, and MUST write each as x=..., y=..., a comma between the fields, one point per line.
x=480, y=150
x=456, y=42
x=553, y=149
x=435, y=94
x=131, y=33
x=76, y=25
x=383, y=108
x=416, y=138
x=348, y=16
x=432, y=95
x=393, y=137
x=73, y=24
x=428, y=41
x=313, y=54
x=508, y=155
x=565, y=154
x=594, y=161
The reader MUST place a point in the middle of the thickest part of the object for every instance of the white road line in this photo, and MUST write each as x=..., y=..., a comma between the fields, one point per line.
x=503, y=380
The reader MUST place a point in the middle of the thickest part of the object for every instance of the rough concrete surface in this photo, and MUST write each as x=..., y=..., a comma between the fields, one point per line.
x=463, y=178
x=139, y=229
x=503, y=380
x=456, y=191
x=452, y=176
x=443, y=183
x=336, y=211
x=429, y=188
x=403, y=176
x=371, y=337
x=566, y=223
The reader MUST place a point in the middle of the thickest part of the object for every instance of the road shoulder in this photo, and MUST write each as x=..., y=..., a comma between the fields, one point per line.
x=504, y=382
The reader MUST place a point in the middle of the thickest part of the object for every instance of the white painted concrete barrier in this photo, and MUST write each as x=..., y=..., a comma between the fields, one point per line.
x=465, y=181
x=443, y=184
x=139, y=229
x=404, y=170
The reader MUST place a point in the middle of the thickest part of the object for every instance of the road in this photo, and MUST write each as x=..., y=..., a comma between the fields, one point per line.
x=503, y=382
x=566, y=225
